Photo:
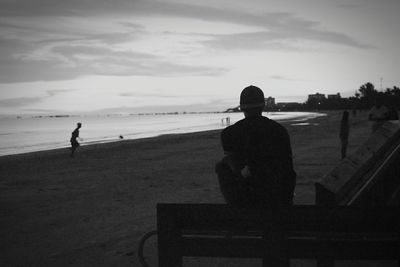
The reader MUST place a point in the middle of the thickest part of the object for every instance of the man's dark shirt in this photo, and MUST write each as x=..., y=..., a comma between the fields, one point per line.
x=264, y=146
x=75, y=134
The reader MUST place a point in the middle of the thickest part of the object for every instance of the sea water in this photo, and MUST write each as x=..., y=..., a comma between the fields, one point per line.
x=28, y=134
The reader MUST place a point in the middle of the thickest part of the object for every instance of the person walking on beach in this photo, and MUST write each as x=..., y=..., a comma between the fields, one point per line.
x=257, y=170
x=344, y=132
x=74, y=142
x=378, y=114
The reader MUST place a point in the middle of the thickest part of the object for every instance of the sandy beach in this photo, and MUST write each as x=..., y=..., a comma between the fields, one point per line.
x=91, y=210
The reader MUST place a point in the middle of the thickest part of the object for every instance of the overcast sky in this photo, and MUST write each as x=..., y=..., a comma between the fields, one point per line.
x=187, y=55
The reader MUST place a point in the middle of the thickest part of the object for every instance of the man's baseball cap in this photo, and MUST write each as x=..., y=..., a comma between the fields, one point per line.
x=251, y=97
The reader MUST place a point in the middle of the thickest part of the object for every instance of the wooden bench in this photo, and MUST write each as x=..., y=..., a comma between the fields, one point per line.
x=299, y=232
x=353, y=219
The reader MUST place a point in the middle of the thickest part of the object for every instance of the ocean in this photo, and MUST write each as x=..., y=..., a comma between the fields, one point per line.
x=29, y=134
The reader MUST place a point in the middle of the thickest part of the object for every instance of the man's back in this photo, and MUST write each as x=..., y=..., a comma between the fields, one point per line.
x=263, y=146
x=257, y=170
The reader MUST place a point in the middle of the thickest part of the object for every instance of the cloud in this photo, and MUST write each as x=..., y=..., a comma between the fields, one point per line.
x=280, y=28
x=19, y=102
x=105, y=61
x=46, y=40
x=59, y=91
x=284, y=78
x=284, y=39
x=163, y=95
x=51, y=8
x=362, y=3
x=64, y=61
x=137, y=94
x=276, y=24
x=26, y=101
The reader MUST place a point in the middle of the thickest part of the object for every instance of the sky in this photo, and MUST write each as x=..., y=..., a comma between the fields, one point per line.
x=131, y=56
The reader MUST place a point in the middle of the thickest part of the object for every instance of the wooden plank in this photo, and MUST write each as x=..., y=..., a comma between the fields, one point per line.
x=311, y=248
x=221, y=217
x=223, y=247
x=216, y=230
x=169, y=245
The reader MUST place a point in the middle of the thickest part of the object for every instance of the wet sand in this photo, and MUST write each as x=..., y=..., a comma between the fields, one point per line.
x=91, y=210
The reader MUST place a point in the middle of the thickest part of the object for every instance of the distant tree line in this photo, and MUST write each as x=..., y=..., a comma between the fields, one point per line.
x=367, y=95
x=364, y=98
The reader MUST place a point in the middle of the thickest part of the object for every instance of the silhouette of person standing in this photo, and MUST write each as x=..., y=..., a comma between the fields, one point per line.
x=344, y=132
x=74, y=142
x=257, y=170
x=393, y=115
x=378, y=114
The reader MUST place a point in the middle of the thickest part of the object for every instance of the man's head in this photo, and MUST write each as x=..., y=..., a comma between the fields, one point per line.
x=79, y=125
x=252, y=100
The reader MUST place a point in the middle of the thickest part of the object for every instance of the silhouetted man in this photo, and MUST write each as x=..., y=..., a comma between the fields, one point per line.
x=74, y=142
x=257, y=171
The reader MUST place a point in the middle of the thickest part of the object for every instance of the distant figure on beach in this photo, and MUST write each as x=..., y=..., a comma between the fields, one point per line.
x=393, y=115
x=344, y=132
x=378, y=114
x=227, y=120
x=257, y=170
x=74, y=141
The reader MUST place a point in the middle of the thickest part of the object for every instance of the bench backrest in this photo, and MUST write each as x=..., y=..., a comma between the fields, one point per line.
x=221, y=217
x=297, y=232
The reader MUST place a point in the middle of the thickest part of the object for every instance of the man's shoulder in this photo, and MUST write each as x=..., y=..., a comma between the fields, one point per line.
x=272, y=124
x=258, y=122
x=236, y=125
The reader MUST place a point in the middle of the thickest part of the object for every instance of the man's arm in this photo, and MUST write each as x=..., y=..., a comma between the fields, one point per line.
x=288, y=179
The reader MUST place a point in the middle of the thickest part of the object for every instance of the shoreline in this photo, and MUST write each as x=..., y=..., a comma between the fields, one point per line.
x=92, y=210
x=106, y=143
x=302, y=118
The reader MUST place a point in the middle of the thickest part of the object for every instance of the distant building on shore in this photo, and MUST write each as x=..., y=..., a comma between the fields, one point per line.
x=316, y=97
x=269, y=102
x=334, y=96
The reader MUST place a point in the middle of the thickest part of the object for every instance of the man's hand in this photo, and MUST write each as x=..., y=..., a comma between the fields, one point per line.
x=245, y=172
